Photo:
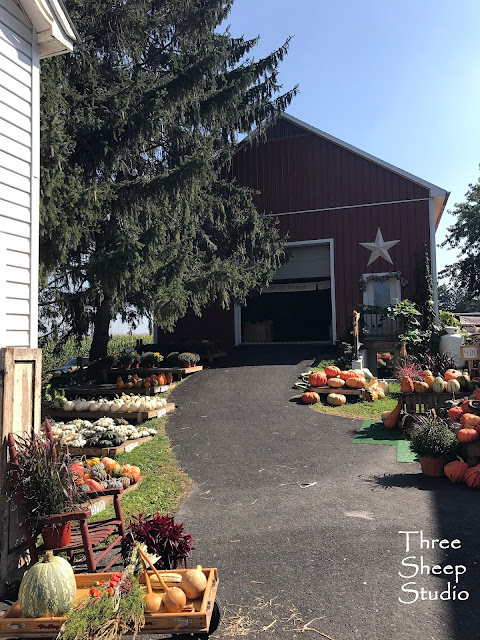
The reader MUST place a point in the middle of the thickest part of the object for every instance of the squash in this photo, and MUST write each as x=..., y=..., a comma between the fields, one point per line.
x=456, y=470
x=169, y=377
x=48, y=588
x=452, y=374
x=427, y=373
x=429, y=380
x=193, y=582
x=469, y=420
x=310, y=397
x=420, y=387
x=317, y=379
x=356, y=383
x=472, y=477
x=332, y=371
x=406, y=385
x=94, y=484
x=125, y=482
x=439, y=385
x=94, y=406
x=391, y=420
x=69, y=405
x=467, y=435
x=77, y=469
x=336, y=399
x=453, y=386
x=120, y=383
x=336, y=383
x=455, y=413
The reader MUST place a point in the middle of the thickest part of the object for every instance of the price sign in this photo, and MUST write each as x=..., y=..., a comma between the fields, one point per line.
x=470, y=352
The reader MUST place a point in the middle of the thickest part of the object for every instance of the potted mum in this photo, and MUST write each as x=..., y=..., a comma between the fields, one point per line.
x=151, y=359
x=434, y=443
x=189, y=359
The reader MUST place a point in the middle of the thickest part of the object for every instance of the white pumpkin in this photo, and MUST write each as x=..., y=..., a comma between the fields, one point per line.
x=144, y=407
x=127, y=406
x=94, y=406
x=81, y=405
x=105, y=406
x=69, y=405
x=115, y=407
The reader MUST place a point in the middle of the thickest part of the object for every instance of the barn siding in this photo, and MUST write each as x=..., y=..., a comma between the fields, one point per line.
x=18, y=76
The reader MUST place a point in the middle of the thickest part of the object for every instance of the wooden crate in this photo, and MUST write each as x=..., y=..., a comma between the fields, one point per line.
x=194, y=618
x=105, y=452
x=424, y=402
x=133, y=416
x=110, y=390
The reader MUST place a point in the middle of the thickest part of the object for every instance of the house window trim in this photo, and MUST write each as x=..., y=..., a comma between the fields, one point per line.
x=397, y=282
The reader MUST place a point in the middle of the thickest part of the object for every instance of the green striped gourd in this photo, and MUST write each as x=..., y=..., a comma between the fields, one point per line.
x=453, y=386
x=48, y=588
x=439, y=385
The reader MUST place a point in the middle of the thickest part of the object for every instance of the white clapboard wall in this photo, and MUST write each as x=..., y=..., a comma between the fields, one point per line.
x=19, y=178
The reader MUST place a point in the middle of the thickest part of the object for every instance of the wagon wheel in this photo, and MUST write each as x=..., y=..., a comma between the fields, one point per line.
x=214, y=622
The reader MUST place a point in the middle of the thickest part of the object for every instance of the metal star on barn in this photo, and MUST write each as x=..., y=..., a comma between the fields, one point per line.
x=379, y=248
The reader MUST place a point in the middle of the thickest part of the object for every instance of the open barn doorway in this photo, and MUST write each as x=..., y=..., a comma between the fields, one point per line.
x=297, y=306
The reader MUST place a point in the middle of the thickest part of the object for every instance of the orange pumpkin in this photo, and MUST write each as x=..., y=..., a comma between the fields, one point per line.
x=336, y=383
x=78, y=470
x=169, y=377
x=310, y=397
x=452, y=374
x=332, y=371
x=162, y=380
x=429, y=379
x=406, y=385
x=472, y=477
x=120, y=383
x=356, y=383
x=94, y=484
x=456, y=470
x=469, y=420
x=467, y=435
x=391, y=420
x=455, y=413
x=318, y=379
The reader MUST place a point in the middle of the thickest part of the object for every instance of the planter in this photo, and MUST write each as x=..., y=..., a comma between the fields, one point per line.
x=433, y=467
x=56, y=537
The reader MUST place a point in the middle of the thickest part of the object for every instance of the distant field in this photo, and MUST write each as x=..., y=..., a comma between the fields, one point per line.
x=55, y=354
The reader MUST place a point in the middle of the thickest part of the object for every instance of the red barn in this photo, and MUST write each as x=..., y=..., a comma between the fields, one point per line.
x=357, y=230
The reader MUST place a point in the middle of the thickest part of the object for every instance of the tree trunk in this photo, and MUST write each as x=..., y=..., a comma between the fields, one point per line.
x=103, y=317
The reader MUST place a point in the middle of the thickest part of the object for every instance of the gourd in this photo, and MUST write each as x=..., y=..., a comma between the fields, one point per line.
x=467, y=435
x=318, y=379
x=125, y=482
x=429, y=379
x=332, y=371
x=356, y=383
x=453, y=386
x=193, y=582
x=81, y=405
x=456, y=470
x=48, y=588
x=336, y=399
x=120, y=383
x=472, y=477
x=455, y=413
x=469, y=420
x=336, y=383
x=391, y=420
x=69, y=405
x=77, y=469
x=105, y=406
x=94, y=406
x=94, y=484
x=439, y=385
x=406, y=385
x=420, y=387
x=310, y=397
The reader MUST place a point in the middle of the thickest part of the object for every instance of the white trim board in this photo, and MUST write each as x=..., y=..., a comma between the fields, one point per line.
x=348, y=206
x=237, y=316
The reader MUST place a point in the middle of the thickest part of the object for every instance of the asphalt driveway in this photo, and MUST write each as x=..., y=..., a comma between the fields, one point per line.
x=303, y=524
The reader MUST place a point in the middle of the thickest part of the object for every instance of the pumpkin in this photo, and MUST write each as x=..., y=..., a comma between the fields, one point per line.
x=48, y=588
x=380, y=392
x=420, y=387
x=69, y=405
x=468, y=435
x=310, y=397
x=427, y=373
x=455, y=471
x=120, y=383
x=465, y=406
x=453, y=386
x=336, y=399
x=472, y=477
x=94, y=485
x=469, y=420
x=455, y=413
x=385, y=414
x=429, y=380
x=344, y=375
x=77, y=469
x=452, y=374
x=336, y=383
x=162, y=380
x=439, y=385
x=169, y=377
x=383, y=384
x=391, y=420
x=193, y=582
x=406, y=385
x=318, y=379
x=356, y=383
x=332, y=371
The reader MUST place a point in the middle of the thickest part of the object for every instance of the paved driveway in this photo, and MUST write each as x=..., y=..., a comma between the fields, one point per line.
x=303, y=524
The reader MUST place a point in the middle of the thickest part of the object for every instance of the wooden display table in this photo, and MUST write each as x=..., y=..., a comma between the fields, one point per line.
x=131, y=416
x=111, y=390
x=143, y=372
x=346, y=391
x=104, y=452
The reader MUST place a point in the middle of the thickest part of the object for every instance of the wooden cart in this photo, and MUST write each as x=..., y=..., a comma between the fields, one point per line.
x=200, y=617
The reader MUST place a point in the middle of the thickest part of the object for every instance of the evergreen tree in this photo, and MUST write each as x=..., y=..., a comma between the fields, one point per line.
x=137, y=126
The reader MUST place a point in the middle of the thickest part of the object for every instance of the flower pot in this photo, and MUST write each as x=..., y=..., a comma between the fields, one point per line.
x=56, y=537
x=433, y=467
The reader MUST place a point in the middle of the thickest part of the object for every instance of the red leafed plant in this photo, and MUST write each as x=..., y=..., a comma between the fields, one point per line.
x=162, y=537
x=409, y=369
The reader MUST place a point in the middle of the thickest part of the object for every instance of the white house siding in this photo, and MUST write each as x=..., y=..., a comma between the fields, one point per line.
x=19, y=171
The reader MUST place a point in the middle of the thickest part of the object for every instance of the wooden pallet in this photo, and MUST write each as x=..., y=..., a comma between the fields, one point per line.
x=132, y=416
x=111, y=390
x=345, y=391
x=176, y=371
x=194, y=618
x=414, y=403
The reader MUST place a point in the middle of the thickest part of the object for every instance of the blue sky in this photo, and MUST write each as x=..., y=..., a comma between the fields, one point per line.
x=399, y=79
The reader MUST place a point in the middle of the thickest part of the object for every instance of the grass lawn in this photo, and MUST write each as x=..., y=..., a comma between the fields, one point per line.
x=164, y=485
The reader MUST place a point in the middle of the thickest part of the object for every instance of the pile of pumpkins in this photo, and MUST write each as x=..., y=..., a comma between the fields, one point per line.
x=453, y=382
x=134, y=382
x=459, y=472
x=465, y=417
x=97, y=474
x=336, y=379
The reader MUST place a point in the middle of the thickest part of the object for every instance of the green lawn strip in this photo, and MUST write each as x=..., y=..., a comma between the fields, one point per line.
x=404, y=453
x=373, y=432
x=164, y=484
x=361, y=408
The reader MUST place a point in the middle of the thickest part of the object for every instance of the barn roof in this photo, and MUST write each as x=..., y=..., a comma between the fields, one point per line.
x=440, y=195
